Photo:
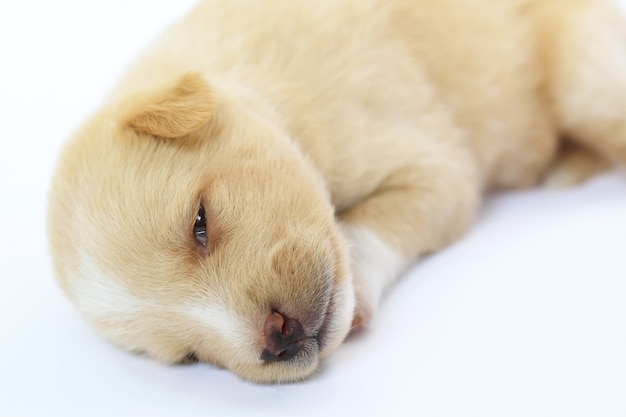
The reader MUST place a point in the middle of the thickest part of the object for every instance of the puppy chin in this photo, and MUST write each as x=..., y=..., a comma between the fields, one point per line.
x=238, y=344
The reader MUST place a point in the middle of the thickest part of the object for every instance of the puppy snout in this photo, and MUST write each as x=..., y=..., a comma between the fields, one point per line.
x=284, y=337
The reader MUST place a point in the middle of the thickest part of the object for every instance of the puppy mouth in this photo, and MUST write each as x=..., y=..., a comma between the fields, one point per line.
x=322, y=334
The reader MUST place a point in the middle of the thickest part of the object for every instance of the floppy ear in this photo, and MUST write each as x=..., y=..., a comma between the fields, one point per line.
x=176, y=111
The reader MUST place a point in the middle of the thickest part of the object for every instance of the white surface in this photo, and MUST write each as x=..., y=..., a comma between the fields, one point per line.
x=524, y=317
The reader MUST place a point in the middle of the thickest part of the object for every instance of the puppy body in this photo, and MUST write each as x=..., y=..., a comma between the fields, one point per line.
x=331, y=143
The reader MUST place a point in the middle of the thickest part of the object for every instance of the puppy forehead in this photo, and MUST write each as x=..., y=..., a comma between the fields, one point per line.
x=134, y=185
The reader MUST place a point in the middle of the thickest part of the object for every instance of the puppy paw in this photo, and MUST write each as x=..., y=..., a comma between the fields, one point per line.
x=374, y=266
x=574, y=165
x=363, y=314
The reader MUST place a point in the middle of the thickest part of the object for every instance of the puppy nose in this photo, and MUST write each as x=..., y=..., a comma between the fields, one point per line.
x=284, y=337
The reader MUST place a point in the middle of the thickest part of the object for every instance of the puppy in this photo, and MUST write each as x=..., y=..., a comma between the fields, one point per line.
x=264, y=171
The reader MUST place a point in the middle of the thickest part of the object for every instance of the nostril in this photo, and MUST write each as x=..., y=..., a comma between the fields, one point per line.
x=282, y=328
x=284, y=337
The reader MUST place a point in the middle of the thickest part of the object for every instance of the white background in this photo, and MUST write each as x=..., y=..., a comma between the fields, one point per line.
x=526, y=316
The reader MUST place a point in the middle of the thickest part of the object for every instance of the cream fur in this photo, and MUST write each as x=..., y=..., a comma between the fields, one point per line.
x=331, y=143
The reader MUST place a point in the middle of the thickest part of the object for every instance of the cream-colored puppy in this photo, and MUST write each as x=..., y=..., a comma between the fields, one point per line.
x=265, y=170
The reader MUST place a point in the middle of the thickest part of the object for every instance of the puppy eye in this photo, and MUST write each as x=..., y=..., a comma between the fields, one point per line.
x=189, y=358
x=199, y=228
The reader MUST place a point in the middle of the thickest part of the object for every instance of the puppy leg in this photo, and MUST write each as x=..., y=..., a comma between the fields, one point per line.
x=586, y=56
x=422, y=205
x=574, y=164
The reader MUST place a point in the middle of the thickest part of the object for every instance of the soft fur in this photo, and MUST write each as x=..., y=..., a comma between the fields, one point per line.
x=332, y=143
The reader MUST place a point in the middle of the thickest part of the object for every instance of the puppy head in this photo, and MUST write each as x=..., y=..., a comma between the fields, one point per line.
x=185, y=225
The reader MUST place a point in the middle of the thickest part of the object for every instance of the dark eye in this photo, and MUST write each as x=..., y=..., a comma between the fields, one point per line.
x=199, y=228
x=189, y=358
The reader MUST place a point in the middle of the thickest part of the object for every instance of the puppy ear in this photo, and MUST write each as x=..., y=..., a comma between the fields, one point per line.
x=176, y=111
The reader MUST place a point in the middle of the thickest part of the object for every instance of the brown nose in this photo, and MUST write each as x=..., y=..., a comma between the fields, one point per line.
x=284, y=337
